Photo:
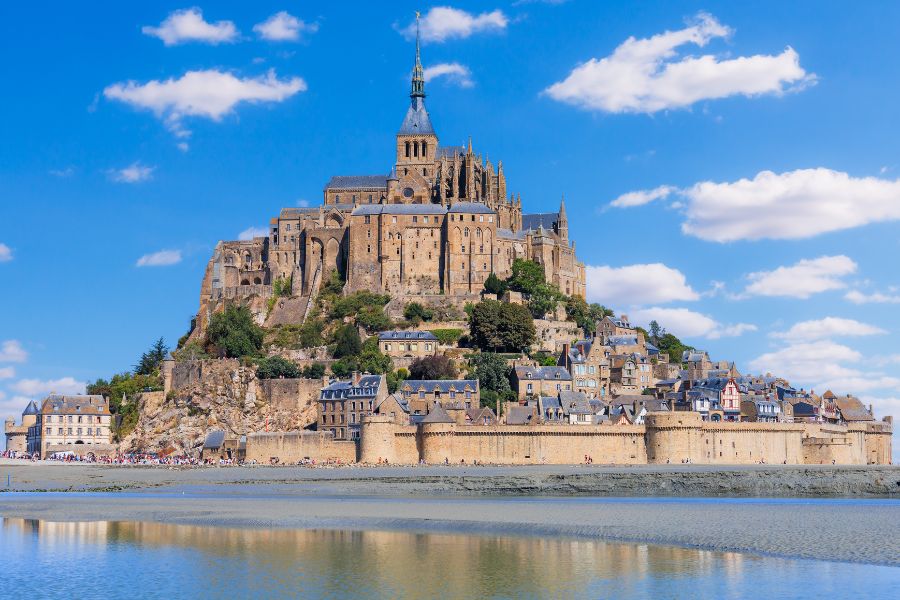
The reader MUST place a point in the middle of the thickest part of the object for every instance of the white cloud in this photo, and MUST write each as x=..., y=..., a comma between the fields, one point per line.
x=12, y=351
x=857, y=297
x=7, y=372
x=688, y=323
x=826, y=328
x=642, y=197
x=637, y=284
x=443, y=23
x=133, y=173
x=187, y=25
x=303, y=203
x=284, y=27
x=883, y=407
x=211, y=94
x=252, y=232
x=647, y=75
x=803, y=279
x=454, y=72
x=793, y=205
x=163, y=258
x=38, y=387
x=5, y=253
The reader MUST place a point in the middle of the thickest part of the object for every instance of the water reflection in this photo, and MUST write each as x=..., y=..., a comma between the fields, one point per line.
x=190, y=561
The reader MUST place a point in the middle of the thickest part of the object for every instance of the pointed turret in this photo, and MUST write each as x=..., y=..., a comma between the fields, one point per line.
x=418, y=78
x=416, y=140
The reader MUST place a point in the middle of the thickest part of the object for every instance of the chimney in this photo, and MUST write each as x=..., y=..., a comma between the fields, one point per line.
x=325, y=381
x=624, y=317
x=566, y=348
x=354, y=378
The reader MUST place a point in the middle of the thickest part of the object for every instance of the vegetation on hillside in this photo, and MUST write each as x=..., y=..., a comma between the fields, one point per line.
x=666, y=342
x=233, y=333
x=501, y=327
x=437, y=366
x=493, y=375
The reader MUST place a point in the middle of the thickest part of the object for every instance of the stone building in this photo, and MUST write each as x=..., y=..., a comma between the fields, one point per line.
x=432, y=229
x=17, y=435
x=588, y=363
x=540, y=381
x=407, y=344
x=66, y=421
x=421, y=395
x=343, y=403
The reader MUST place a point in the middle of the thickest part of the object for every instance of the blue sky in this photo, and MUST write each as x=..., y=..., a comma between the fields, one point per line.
x=729, y=168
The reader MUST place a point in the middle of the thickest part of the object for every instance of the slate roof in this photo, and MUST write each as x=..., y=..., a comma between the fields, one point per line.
x=477, y=415
x=442, y=385
x=555, y=373
x=31, y=409
x=509, y=234
x=399, y=209
x=535, y=220
x=619, y=322
x=519, y=415
x=451, y=151
x=407, y=335
x=214, y=439
x=804, y=409
x=84, y=405
x=357, y=182
x=296, y=213
x=852, y=409
x=579, y=351
x=693, y=356
x=338, y=390
x=712, y=383
x=438, y=415
x=471, y=208
x=416, y=121
x=622, y=340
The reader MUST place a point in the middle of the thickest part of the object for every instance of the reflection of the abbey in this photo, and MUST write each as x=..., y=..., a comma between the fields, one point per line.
x=397, y=563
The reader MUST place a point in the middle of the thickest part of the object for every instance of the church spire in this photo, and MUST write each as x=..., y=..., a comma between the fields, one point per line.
x=418, y=78
x=562, y=220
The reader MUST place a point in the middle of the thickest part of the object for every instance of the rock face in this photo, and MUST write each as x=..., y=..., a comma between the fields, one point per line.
x=219, y=394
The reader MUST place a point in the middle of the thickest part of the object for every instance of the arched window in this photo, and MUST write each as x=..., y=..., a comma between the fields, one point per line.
x=466, y=233
x=407, y=149
x=257, y=280
x=478, y=233
x=425, y=149
x=248, y=260
x=416, y=149
x=245, y=282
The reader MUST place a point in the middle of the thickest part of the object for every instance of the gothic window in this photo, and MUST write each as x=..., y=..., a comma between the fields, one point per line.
x=407, y=149
x=424, y=151
x=466, y=232
x=478, y=233
x=416, y=149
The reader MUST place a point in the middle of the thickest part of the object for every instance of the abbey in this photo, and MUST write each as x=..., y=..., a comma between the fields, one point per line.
x=437, y=225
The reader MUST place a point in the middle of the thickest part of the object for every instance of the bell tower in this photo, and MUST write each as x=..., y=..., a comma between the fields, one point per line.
x=417, y=144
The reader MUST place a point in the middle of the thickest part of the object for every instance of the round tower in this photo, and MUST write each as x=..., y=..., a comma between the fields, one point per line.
x=673, y=437
x=377, y=439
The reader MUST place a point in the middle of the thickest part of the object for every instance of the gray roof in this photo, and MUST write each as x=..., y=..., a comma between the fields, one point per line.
x=407, y=335
x=543, y=373
x=357, y=182
x=509, y=234
x=75, y=404
x=399, y=209
x=533, y=221
x=622, y=340
x=471, y=207
x=338, y=390
x=852, y=409
x=438, y=415
x=442, y=385
x=296, y=213
x=451, y=151
x=579, y=351
x=31, y=409
x=519, y=415
x=214, y=439
x=416, y=120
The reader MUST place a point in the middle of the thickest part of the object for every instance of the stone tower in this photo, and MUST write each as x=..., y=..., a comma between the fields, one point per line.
x=563, y=221
x=417, y=144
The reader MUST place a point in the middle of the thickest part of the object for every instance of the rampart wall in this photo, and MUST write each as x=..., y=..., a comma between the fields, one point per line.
x=294, y=446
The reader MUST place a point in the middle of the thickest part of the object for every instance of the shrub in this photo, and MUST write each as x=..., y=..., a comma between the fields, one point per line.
x=492, y=372
x=449, y=336
x=314, y=371
x=417, y=313
x=233, y=333
x=276, y=367
x=438, y=366
x=347, y=342
x=497, y=326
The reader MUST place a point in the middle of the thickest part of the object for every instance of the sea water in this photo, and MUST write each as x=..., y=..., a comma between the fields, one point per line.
x=45, y=559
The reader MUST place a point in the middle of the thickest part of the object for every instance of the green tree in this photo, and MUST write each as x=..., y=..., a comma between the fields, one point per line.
x=543, y=299
x=332, y=284
x=314, y=371
x=346, y=341
x=584, y=314
x=152, y=358
x=372, y=360
x=373, y=319
x=233, y=333
x=437, y=366
x=276, y=367
x=448, y=336
x=494, y=285
x=526, y=276
x=416, y=313
x=501, y=327
x=492, y=372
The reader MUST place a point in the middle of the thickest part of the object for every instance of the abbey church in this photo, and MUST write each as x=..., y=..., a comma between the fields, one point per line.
x=433, y=228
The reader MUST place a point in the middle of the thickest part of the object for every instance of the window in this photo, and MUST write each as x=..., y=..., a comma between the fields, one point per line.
x=528, y=388
x=466, y=232
x=370, y=198
x=354, y=198
x=426, y=218
x=421, y=394
x=424, y=152
x=393, y=219
x=415, y=219
x=407, y=149
x=288, y=226
x=70, y=431
x=59, y=431
x=463, y=248
x=480, y=220
x=416, y=149
x=368, y=219
x=49, y=430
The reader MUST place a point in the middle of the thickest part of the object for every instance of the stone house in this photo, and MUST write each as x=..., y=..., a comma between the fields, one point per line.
x=725, y=391
x=587, y=361
x=540, y=381
x=615, y=326
x=760, y=409
x=17, y=435
x=421, y=395
x=342, y=404
x=408, y=344
x=630, y=374
x=70, y=420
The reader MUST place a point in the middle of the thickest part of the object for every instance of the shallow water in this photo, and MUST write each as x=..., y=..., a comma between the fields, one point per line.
x=41, y=559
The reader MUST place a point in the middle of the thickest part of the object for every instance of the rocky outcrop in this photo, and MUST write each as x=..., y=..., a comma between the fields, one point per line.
x=219, y=394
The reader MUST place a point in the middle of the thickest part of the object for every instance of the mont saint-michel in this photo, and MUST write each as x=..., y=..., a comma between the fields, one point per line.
x=432, y=230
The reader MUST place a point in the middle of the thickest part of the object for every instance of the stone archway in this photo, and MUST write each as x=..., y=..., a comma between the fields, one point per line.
x=332, y=258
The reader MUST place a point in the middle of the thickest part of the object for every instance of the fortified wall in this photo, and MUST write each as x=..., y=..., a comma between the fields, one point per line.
x=665, y=438
x=292, y=447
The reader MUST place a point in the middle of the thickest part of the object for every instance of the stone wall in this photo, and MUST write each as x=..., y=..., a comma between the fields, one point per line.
x=82, y=450
x=667, y=438
x=291, y=394
x=292, y=447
